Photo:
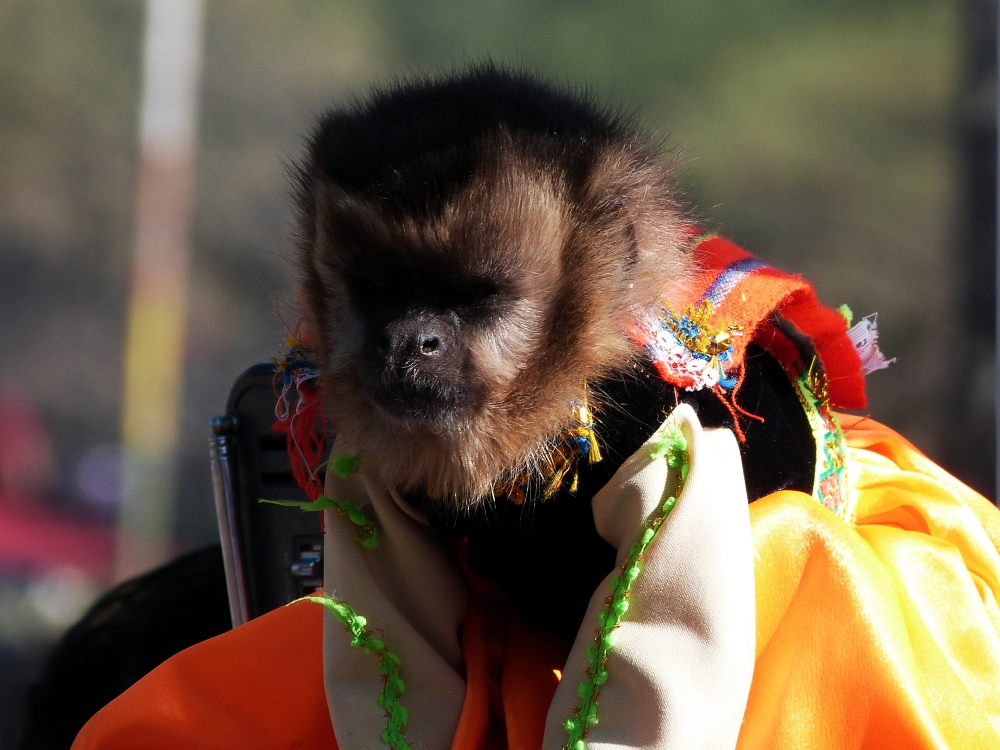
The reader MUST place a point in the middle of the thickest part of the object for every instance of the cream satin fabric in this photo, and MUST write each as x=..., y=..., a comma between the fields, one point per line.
x=683, y=658
x=414, y=597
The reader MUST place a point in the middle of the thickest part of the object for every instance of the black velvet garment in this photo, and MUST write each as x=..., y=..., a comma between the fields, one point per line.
x=547, y=556
x=133, y=628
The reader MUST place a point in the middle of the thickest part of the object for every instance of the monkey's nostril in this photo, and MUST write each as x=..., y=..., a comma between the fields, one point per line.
x=430, y=345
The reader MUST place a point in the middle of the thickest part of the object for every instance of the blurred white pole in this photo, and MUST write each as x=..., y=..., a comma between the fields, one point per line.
x=154, y=348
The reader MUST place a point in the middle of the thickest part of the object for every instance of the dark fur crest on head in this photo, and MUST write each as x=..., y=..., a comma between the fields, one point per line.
x=517, y=227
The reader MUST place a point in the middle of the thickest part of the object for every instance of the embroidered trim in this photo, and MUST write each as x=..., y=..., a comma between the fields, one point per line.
x=388, y=664
x=578, y=441
x=672, y=446
x=731, y=275
x=692, y=348
x=305, y=443
x=830, y=483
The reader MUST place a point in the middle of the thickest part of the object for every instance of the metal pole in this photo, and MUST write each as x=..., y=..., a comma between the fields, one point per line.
x=158, y=301
x=222, y=445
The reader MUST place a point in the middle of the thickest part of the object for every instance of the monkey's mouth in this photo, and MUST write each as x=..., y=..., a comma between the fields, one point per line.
x=415, y=398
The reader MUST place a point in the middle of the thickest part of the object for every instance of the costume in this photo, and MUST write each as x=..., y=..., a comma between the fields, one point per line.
x=850, y=606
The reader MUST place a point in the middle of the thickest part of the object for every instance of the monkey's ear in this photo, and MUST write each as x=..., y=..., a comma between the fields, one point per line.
x=327, y=195
x=345, y=226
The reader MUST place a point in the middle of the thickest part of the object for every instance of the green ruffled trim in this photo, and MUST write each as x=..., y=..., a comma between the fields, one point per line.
x=670, y=444
x=388, y=664
x=343, y=465
x=366, y=533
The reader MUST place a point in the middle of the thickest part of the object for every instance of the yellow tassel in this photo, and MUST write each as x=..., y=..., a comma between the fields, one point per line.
x=587, y=430
x=563, y=459
x=557, y=480
x=594, y=454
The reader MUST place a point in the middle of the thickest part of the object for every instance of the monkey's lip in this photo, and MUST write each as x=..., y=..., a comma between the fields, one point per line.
x=411, y=400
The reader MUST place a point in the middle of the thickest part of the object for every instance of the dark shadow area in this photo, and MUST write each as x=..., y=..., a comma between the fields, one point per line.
x=131, y=630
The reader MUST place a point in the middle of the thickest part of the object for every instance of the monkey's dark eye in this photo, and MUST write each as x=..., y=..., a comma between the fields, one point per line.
x=476, y=294
x=476, y=303
x=389, y=293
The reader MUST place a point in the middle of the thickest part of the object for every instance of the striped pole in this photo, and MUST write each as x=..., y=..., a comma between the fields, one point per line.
x=154, y=347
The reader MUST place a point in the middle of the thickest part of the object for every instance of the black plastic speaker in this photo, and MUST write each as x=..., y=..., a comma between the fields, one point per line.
x=273, y=554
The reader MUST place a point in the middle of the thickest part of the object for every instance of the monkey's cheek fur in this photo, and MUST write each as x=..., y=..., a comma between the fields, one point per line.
x=457, y=458
x=410, y=435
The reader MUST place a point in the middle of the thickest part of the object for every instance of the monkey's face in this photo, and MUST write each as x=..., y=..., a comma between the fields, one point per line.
x=434, y=320
x=455, y=342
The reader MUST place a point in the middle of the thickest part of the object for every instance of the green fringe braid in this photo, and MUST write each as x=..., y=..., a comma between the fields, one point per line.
x=388, y=664
x=670, y=443
x=343, y=466
x=366, y=533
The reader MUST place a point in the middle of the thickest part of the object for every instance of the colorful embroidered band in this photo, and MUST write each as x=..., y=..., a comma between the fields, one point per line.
x=830, y=483
x=698, y=337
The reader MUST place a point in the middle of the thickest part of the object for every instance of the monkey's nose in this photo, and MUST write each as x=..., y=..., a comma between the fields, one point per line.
x=416, y=365
x=430, y=345
x=414, y=338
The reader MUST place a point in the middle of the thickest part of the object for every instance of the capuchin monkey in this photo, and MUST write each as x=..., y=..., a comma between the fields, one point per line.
x=471, y=249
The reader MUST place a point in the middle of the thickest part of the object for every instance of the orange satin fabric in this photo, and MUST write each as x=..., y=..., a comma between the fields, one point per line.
x=511, y=674
x=258, y=687
x=885, y=634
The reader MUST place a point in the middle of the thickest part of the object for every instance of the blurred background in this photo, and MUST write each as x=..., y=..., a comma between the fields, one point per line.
x=851, y=141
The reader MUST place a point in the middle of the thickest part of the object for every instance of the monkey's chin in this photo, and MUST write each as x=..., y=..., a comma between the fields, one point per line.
x=434, y=408
x=431, y=416
x=455, y=450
